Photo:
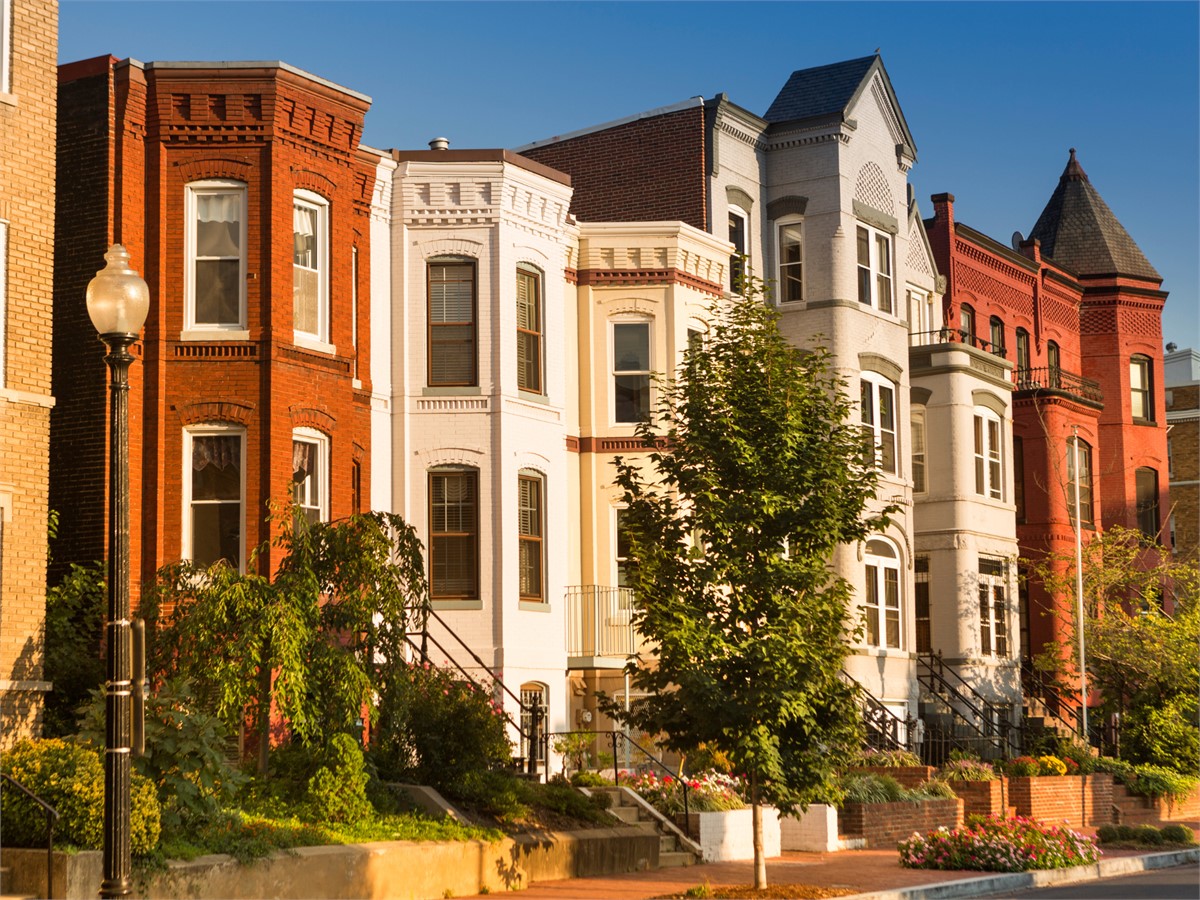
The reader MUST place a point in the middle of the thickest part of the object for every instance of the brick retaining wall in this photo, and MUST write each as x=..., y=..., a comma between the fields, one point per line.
x=1063, y=799
x=983, y=798
x=1132, y=809
x=884, y=824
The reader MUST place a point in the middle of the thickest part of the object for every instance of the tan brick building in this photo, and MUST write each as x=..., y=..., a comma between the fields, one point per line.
x=1182, y=383
x=28, y=45
x=242, y=196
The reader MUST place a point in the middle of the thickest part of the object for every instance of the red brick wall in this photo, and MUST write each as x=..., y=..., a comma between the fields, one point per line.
x=885, y=824
x=651, y=169
x=1131, y=809
x=1070, y=799
x=277, y=132
x=983, y=798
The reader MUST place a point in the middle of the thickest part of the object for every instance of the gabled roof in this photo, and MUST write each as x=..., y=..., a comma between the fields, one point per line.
x=831, y=90
x=1079, y=231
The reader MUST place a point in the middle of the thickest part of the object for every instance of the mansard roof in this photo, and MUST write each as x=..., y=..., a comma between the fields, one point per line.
x=1079, y=231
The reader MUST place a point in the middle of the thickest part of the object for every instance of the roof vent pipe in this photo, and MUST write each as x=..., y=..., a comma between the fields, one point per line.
x=439, y=143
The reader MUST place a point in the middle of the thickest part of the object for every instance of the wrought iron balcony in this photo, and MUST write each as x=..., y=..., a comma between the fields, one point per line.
x=600, y=624
x=1053, y=378
x=955, y=336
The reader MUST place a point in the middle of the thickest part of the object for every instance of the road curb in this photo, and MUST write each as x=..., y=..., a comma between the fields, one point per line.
x=1020, y=881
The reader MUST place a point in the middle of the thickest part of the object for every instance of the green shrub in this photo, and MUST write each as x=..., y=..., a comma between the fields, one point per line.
x=1163, y=734
x=71, y=779
x=75, y=612
x=1106, y=834
x=1176, y=833
x=966, y=770
x=1117, y=768
x=868, y=788
x=337, y=791
x=1148, y=834
x=590, y=779
x=933, y=790
x=1156, y=781
x=1127, y=832
x=437, y=730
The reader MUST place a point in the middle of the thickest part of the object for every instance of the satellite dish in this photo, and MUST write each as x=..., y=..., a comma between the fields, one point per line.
x=1017, y=240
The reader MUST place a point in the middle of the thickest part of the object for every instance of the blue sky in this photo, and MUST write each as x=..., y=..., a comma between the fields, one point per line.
x=994, y=93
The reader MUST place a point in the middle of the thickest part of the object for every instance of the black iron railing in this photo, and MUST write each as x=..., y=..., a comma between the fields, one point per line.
x=51, y=815
x=885, y=730
x=974, y=723
x=1054, y=378
x=618, y=738
x=956, y=336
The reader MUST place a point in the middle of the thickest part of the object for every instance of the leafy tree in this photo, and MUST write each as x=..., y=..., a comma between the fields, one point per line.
x=1141, y=661
x=759, y=476
x=75, y=613
x=305, y=643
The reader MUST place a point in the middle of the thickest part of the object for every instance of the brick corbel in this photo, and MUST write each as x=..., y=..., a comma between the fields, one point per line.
x=218, y=411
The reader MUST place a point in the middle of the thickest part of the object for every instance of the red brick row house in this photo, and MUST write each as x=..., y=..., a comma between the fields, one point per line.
x=238, y=189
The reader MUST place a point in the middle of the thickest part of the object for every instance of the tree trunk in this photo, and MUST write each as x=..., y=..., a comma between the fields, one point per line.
x=264, y=718
x=760, y=861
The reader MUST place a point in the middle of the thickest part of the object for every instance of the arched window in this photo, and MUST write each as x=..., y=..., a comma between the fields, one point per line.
x=966, y=323
x=531, y=528
x=791, y=261
x=1083, y=450
x=1146, y=483
x=1141, y=388
x=1022, y=351
x=996, y=335
x=1053, y=364
x=989, y=468
x=882, y=600
x=877, y=409
x=739, y=236
x=452, y=322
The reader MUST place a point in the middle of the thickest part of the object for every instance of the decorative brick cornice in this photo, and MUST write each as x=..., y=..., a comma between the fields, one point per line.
x=216, y=411
x=314, y=181
x=639, y=277
x=571, y=276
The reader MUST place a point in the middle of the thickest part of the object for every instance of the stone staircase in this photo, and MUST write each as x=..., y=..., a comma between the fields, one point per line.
x=674, y=847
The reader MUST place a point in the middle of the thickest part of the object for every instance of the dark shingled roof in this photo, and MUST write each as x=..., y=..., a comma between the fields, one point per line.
x=820, y=91
x=1079, y=231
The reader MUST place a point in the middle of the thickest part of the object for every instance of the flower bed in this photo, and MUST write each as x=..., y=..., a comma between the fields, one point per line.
x=707, y=792
x=999, y=845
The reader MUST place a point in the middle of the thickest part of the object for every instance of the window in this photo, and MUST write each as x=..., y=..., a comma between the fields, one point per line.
x=1022, y=350
x=356, y=487
x=530, y=525
x=874, y=268
x=5, y=46
x=529, y=330
x=1053, y=364
x=966, y=323
x=452, y=358
x=917, y=420
x=1141, y=400
x=920, y=313
x=216, y=240
x=631, y=371
x=791, y=262
x=993, y=611
x=1081, y=448
x=533, y=703
x=921, y=604
x=310, y=266
x=213, y=488
x=883, y=595
x=1019, y=478
x=996, y=336
x=310, y=476
x=1023, y=611
x=453, y=534
x=1171, y=526
x=1146, y=484
x=737, y=236
x=1170, y=449
x=989, y=477
x=624, y=565
x=878, y=411
x=3, y=297
x=354, y=307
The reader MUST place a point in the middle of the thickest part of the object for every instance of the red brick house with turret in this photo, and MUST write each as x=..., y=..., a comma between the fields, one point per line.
x=238, y=189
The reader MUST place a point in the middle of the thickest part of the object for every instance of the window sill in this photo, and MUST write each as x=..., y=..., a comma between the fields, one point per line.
x=1149, y=423
x=532, y=397
x=7, y=99
x=533, y=606
x=214, y=334
x=887, y=652
x=455, y=391
x=308, y=342
x=456, y=604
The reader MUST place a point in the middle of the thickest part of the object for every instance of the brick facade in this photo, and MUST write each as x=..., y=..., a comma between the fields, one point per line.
x=1063, y=799
x=132, y=140
x=27, y=170
x=1183, y=416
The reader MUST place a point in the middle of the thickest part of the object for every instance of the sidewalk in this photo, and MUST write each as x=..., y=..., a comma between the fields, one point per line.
x=871, y=873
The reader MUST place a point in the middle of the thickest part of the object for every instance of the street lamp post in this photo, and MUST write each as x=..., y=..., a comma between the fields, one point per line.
x=117, y=301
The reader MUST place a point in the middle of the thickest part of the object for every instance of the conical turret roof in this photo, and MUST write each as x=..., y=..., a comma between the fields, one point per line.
x=1079, y=231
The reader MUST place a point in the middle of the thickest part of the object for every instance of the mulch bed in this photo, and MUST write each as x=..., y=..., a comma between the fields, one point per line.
x=770, y=892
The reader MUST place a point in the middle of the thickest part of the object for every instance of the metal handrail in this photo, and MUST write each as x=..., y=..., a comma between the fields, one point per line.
x=1035, y=684
x=51, y=819
x=1056, y=378
x=936, y=668
x=956, y=336
x=620, y=735
x=880, y=721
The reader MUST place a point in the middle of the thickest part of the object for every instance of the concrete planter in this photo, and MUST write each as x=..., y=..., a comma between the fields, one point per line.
x=729, y=835
x=815, y=830
x=395, y=869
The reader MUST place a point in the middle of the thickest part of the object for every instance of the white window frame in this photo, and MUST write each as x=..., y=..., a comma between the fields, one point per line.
x=993, y=608
x=921, y=320
x=6, y=46
x=882, y=566
x=920, y=450
x=189, y=435
x=872, y=268
x=320, y=478
x=988, y=438
x=648, y=372
x=1141, y=387
x=877, y=383
x=796, y=222
x=743, y=251
x=319, y=339
x=194, y=330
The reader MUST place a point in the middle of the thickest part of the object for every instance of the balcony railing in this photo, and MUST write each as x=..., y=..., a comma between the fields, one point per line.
x=955, y=336
x=599, y=622
x=1054, y=378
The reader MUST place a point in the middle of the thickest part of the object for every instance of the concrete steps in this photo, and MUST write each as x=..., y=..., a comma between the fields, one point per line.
x=674, y=850
x=6, y=889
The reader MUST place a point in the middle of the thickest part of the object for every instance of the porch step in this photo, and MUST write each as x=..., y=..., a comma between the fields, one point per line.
x=627, y=814
x=674, y=859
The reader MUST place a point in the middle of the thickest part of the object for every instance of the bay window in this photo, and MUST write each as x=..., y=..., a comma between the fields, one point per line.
x=631, y=372
x=452, y=325
x=531, y=553
x=529, y=330
x=213, y=495
x=453, y=534
x=874, y=249
x=310, y=476
x=791, y=262
x=310, y=266
x=989, y=471
x=215, y=250
x=877, y=409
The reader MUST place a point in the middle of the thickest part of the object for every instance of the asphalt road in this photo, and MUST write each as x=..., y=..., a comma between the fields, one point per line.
x=1178, y=883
